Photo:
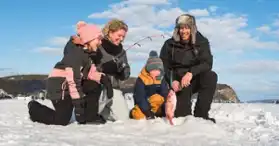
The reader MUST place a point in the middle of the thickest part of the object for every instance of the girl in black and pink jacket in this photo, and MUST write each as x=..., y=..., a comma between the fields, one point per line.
x=65, y=82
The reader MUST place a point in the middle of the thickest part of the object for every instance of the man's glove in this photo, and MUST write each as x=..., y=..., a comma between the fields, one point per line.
x=107, y=83
x=79, y=105
x=149, y=114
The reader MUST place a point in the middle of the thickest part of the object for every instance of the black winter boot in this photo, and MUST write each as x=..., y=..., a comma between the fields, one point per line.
x=30, y=103
x=98, y=121
x=40, y=113
x=211, y=119
x=206, y=117
x=107, y=113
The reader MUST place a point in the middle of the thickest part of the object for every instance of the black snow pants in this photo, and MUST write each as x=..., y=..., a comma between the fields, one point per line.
x=62, y=112
x=93, y=91
x=204, y=84
x=60, y=115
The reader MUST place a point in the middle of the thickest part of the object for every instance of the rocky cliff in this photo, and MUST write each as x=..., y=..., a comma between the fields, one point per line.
x=226, y=92
x=23, y=84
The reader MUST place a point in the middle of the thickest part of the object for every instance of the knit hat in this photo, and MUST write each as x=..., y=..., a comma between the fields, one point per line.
x=154, y=62
x=79, y=24
x=88, y=32
x=185, y=19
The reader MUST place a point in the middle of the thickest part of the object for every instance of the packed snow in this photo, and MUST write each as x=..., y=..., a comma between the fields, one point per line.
x=237, y=125
x=4, y=94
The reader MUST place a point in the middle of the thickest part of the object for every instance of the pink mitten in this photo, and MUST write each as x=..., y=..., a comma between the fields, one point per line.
x=94, y=74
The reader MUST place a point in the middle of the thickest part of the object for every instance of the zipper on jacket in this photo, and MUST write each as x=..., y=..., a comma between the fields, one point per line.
x=63, y=89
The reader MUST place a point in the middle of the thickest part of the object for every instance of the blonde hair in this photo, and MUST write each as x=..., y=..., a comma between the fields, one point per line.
x=113, y=26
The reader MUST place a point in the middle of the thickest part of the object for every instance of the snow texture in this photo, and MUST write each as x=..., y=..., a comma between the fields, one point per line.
x=237, y=125
x=4, y=94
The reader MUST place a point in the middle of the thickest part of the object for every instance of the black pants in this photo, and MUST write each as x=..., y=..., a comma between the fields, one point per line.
x=93, y=91
x=205, y=85
x=62, y=112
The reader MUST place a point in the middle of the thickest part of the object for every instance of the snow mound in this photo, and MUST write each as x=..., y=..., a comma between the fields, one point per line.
x=237, y=124
x=4, y=94
x=129, y=100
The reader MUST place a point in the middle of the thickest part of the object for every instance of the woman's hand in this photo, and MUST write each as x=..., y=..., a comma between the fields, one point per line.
x=94, y=74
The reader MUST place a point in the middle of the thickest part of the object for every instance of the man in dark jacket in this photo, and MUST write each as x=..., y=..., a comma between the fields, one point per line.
x=188, y=68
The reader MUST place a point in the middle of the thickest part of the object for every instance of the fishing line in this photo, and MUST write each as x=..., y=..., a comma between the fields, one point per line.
x=150, y=38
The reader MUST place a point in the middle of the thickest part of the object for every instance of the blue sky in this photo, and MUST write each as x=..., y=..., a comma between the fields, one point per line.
x=244, y=35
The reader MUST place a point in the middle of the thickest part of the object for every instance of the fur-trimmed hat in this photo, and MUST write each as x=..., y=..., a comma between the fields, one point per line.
x=190, y=21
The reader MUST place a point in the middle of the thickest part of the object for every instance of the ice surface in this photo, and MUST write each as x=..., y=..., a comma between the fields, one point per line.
x=237, y=125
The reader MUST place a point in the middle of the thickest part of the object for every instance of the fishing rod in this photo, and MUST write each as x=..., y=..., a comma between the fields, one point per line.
x=137, y=43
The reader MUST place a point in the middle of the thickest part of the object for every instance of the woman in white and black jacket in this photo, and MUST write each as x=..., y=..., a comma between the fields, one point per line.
x=112, y=56
x=111, y=59
x=65, y=82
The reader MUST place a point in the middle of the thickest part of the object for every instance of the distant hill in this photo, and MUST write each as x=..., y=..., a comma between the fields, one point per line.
x=23, y=84
x=26, y=77
x=274, y=101
x=26, y=84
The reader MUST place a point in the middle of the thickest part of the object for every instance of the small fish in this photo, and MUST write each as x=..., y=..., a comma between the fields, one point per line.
x=170, y=106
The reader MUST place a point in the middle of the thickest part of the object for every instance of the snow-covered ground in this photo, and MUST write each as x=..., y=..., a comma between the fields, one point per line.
x=24, y=98
x=4, y=94
x=238, y=125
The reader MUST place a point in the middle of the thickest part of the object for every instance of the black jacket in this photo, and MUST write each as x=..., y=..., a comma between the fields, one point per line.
x=67, y=75
x=182, y=57
x=112, y=68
